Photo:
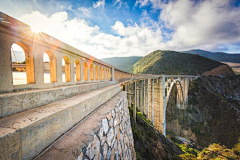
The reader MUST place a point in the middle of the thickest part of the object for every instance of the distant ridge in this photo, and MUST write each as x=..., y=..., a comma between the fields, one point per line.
x=123, y=63
x=217, y=56
x=171, y=62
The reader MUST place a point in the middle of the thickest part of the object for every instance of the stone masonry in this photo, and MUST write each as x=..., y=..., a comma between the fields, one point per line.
x=108, y=136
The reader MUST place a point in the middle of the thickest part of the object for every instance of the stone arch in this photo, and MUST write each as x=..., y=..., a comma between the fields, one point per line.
x=96, y=72
x=52, y=66
x=29, y=61
x=67, y=69
x=77, y=70
x=91, y=73
x=100, y=73
x=85, y=71
x=180, y=94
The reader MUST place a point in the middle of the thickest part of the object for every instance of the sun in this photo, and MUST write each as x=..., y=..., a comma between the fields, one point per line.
x=35, y=29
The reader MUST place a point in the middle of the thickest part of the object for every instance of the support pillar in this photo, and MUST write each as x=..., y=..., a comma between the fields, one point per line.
x=144, y=96
x=162, y=105
x=134, y=101
x=148, y=96
x=153, y=101
x=141, y=96
x=113, y=76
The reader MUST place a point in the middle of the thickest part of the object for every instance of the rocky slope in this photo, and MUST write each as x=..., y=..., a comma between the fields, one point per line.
x=212, y=115
x=149, y=143
x=171, y=62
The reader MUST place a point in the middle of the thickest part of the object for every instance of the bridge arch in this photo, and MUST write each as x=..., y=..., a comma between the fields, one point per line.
x=180, y=94
x=52, y=66
x=67, y=68
x=77, y=70
x=29, y=61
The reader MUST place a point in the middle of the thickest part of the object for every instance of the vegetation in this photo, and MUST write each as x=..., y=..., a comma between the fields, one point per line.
x=171, y=62
x=212, y=152
x=149, y=143
x=123, y=63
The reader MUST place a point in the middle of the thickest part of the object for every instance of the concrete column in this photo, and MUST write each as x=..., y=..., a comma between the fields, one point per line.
x=147, y=100
x=153, y=101
x=137, y=91
x=6, y=80
x=185, y=92
x=98, y=73
x=162, y=105
x=144, y=96
x=134, y=101
x=38, y=52
x=130, y=91
x=113, y=75
x=94, y=76
x=141, y=96
x=88, y=72
x=59, y=67
x=72, y=70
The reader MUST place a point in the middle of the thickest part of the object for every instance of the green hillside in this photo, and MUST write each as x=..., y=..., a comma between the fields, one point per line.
x=171, y=62
x=123, y=63
x=217, y=56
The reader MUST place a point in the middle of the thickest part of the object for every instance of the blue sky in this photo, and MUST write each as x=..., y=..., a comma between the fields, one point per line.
x=107, y=28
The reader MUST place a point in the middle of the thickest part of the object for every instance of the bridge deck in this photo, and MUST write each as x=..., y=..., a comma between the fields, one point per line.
x=33, y=130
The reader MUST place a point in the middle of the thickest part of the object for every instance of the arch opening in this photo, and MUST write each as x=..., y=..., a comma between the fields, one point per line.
x=85, y=71
x=49, y=67
x=174, y=112
x=22, y=64
x=77, y=70
x=66, y=69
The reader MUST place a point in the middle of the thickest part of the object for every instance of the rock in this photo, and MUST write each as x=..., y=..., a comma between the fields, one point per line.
x=93, y=147
x=105, y=125
x=110, y=136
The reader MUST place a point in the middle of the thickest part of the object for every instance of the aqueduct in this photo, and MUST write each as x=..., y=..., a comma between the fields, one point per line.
x=34, y=115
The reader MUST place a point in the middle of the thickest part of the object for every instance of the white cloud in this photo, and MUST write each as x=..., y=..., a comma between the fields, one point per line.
x=204, y=24
x=132, y=40
x=85, y=11
x=99, y=3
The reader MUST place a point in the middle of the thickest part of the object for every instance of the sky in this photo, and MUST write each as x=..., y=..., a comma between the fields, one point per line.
x=121, y=28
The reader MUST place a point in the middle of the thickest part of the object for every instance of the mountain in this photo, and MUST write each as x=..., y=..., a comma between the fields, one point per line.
x=217, y=56
x=123, y=63
x=171, y=62
x=212, y=114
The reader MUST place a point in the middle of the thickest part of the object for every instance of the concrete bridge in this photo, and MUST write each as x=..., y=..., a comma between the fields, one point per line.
x=87, y=115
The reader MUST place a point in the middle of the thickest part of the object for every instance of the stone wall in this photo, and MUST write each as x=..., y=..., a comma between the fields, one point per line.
x=106, y=134
x=114, y=139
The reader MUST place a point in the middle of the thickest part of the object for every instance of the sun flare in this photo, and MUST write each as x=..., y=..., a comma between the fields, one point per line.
x=35, y=29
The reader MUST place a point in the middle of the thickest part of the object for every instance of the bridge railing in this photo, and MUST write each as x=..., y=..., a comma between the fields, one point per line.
x=79, y=67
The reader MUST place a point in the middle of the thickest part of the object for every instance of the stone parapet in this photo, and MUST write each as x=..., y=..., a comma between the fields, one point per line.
x=105, y=134
x=12, y=103
x=26, y=134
